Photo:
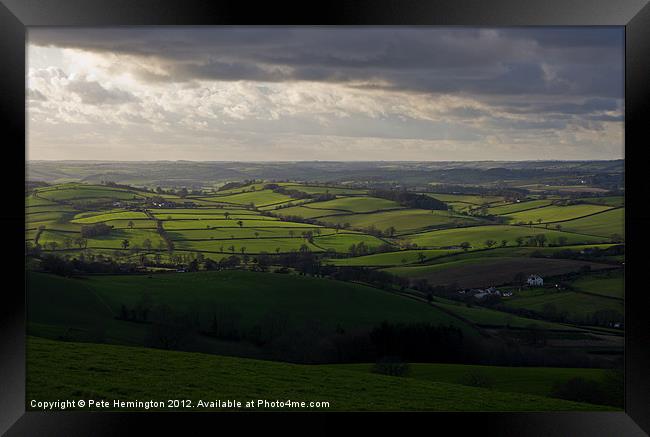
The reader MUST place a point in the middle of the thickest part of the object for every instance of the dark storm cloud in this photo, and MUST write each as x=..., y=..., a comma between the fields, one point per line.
x=546, y=61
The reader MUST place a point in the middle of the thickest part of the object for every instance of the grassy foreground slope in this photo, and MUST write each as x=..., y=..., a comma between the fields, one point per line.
x=531, y=380
x=56, y=302
x=63, y=370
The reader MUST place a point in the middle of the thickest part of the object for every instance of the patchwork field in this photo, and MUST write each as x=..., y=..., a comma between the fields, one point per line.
x=187, y=273
x=237, y=213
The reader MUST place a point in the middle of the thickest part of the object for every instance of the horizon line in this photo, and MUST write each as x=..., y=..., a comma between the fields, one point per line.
x=319, y=160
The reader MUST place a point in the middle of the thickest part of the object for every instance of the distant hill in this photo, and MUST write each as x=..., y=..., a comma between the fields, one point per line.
x=198, y=174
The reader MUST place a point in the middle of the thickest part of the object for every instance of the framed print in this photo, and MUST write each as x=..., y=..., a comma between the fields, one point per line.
x=426, y=211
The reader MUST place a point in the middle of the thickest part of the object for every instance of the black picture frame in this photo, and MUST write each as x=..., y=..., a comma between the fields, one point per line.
x=634, y=15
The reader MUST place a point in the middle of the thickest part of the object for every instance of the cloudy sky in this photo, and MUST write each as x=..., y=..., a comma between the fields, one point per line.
x=292, y=94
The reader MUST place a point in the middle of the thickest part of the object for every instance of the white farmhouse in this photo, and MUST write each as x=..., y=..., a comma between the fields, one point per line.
x=535, y=281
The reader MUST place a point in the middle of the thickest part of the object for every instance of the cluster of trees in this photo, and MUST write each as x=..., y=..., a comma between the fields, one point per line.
x=140, y=312
x=293, y=193
x=373, y=277
x=281, y=337
x=63, y=266
x=94, y=230
x=113, y=184
x=359, y=249
x=538, y=240
x=232, y=185
x=409, y=199
x=298, y=194
x=163, y=234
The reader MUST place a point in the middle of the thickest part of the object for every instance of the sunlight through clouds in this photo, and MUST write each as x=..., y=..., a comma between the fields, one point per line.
x=313, y=94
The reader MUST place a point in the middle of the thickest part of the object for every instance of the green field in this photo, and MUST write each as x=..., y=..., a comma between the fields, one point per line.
x=392, y=258
x=305, y=212
x=199, y=216
x=356, y=204
x=519, y=206
x=136, y=238
x=576, y=305
x=87, y=218
x=615, y=201
x=434, y=256
x=606, y=284
x=403, y=220
x=250, y=245
x=464, y=198
x=310, y=189
x=257, y=198
x=231, y=223
x=492, y=271
x=221, y=233
x=128, y=224
x=556, y=213
x=40, y=209
x=605, y=224
x=493, y=318
x=33, y=201
x=80, y=191
x=46, y=216
x=200, y=210
x=342, y=241
x=477, y=236
x=508, y=252
x=89, y=371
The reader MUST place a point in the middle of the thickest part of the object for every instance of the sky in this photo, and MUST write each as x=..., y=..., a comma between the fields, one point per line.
x=325, y=93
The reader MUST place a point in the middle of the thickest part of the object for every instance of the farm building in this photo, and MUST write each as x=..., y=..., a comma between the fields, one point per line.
x=535, y=280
